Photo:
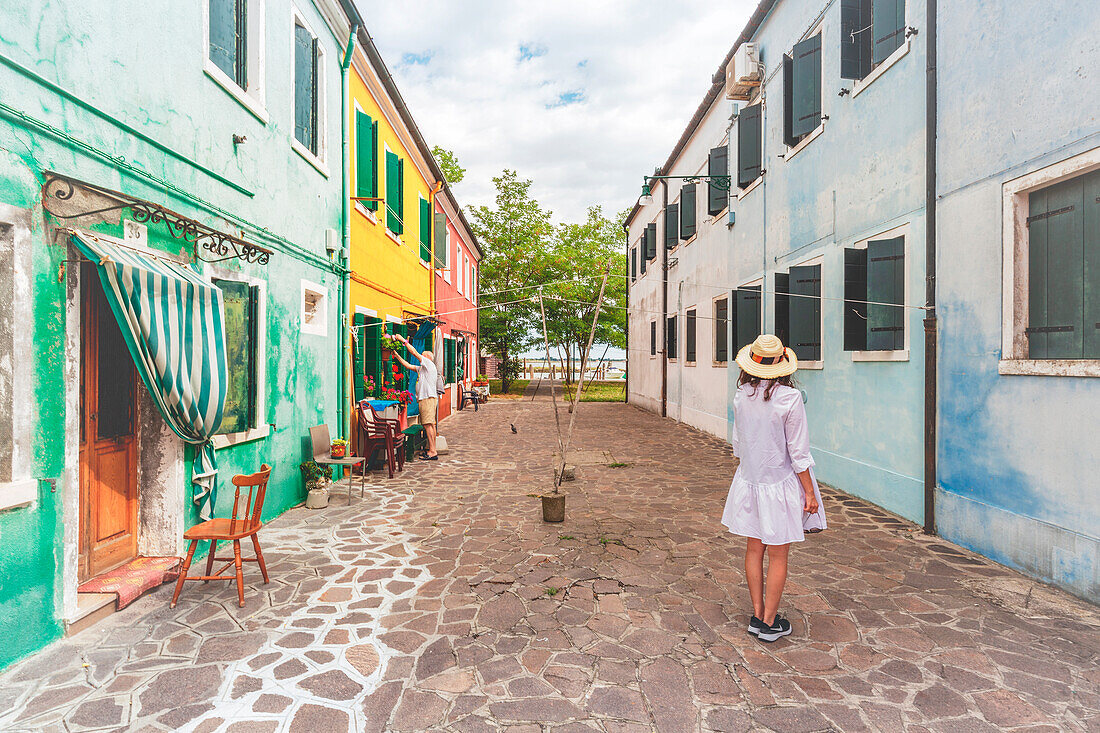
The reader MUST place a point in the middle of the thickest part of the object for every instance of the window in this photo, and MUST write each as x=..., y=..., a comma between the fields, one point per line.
x=721, y=330
x=718, y=164
x=749, y=133
x=441, y=243
x=689, y=336
x=1063, y=270
x=801, y=300
x=366, y=159
x=687, y=211
x=802, y=90
x=746, y=315
x=228, y=39
x=425, y=230
x=672, y=225
x=307, y=89
x=874, y=296
x=670, y=338
x=366, y=354
x=633, y=264
x=241, y=302
x=651, y=241
x=314, y=309
x=653, y=338
x=395, y=192
x=870, y=30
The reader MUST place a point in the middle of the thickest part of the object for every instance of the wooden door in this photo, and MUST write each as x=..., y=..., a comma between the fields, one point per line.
x=108, y=446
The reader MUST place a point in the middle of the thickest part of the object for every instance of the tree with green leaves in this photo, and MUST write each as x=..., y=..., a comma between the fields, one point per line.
x=515, y=234
x=448, y=163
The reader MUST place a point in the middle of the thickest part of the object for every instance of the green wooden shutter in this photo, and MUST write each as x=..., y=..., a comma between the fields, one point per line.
x=441, y=248
x=747, y=325
x=642, y=260
x=372, y=352
x=855, y=38
x=651, y=241
x=886, y=284
x=855, y=299
x=373, y=205
x=401, y=195
x=688, y=207
x=633, y=264
x=718, y=164
x=425, y=230
x=672, y=225
x=807, y=86
x=748, y=145
x=1091, y=270
x=364, y=155
x=689, y=336
x=783, y=307
x=805, y=310
x=721, y=330
x=449, y=358
x=304, y=87
x=670, y=338
x=393, y=192
x=240, y=303
x=653, y=338
x=887, y=28
x=789, y=138
x=358, y=357
x=1056, y=272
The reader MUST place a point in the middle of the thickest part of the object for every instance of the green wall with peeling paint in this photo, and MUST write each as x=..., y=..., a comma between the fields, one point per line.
x=77, y=84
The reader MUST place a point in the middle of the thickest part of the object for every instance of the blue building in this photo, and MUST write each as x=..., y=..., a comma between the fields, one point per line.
x=802, y=200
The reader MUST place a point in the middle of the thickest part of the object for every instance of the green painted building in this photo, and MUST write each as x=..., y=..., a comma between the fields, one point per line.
x=209, y=134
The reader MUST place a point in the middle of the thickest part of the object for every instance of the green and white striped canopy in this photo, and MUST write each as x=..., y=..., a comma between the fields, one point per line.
x=173, y=322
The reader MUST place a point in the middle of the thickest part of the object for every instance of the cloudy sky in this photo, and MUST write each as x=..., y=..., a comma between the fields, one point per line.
x=582, y=97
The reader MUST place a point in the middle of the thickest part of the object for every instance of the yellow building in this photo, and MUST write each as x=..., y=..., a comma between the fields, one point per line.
x=392, y=184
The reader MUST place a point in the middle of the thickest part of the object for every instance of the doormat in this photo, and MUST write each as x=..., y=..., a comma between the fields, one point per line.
x=134, y=578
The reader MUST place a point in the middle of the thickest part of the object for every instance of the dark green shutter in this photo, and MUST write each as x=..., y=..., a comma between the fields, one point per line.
x=401, y=195
x=393, y=192
x=240, y=302
x=371, y=337
x=653, y=338
x=807, y=86
x=689, y=336
x=855, y=299
x=746, y=316
x=633, y=264
x=642, y=260
x=855, y=38
x=651, y=241
x=887, y=27
x=373, y=205
x=364, y=155
x=304, y=88
x=441, y=239
x=229, y=39
x=805, y=310
x=425, y=230
x=1063, y=272
x=748, y=145
x=358, y=357
x=789, y=138
x=672, y=225
x=721, y=330
x=718, y=164
x=688, y=208
x=886, y=284
x=783, y=307
x=670, y=338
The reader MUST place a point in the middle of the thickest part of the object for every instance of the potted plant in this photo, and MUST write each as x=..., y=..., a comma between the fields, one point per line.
x=317, y=479
x=369, y=386
x=390, y=344
x=339, y=448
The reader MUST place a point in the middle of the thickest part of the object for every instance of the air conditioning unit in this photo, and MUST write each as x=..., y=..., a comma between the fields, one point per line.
x=743, y=73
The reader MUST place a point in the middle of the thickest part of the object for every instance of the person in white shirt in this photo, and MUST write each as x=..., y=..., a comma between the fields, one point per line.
x=774, y=498
x=426, y=399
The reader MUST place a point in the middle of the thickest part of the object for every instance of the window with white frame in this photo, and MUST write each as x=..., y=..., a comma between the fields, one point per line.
x=1052, y=270
x=314, y=308
x=234, y=34
x=244, y=301
x=309, y=92
x=798, y=313
x=875, y=294
x=870, y=32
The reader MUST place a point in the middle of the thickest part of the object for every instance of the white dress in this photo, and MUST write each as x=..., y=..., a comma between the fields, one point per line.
x=773, y=443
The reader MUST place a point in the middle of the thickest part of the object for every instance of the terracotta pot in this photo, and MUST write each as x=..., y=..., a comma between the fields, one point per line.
x=338, y=451
x=387, y=354
x=553, y=507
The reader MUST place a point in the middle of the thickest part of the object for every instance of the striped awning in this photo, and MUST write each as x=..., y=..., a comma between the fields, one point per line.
x=173, y=322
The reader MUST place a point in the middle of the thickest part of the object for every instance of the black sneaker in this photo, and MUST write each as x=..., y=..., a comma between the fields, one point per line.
x=755, y=625
x=780, y=627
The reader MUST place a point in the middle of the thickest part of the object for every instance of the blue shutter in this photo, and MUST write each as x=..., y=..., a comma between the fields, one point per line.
x=748, y=145
x=806, y=104
x=305, y=88
x=886, y=284
x=228, y=39
x=805, y=312
x=855, y=299
x=688, y=207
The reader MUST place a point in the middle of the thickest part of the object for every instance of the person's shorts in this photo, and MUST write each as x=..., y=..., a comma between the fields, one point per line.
x=428, y=409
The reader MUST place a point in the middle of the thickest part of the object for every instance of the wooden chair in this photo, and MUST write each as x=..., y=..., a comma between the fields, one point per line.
x=322, y=455
x=377, y=431
x=244, y=522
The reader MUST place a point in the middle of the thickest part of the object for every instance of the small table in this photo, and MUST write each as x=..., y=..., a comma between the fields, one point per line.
x=352, y=462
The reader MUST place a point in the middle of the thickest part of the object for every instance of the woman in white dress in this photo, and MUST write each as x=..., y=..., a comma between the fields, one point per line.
x=774, y=496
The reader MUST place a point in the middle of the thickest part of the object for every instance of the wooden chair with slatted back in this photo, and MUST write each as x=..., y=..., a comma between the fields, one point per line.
x=248, y=506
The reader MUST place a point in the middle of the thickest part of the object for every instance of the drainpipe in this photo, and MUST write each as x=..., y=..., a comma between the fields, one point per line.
x=930, y=322
x=664, y=302
x=431, y=238
x=626, y=242
x=342, y=358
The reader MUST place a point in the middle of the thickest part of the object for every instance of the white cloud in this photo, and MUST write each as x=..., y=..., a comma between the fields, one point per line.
x=582, y=97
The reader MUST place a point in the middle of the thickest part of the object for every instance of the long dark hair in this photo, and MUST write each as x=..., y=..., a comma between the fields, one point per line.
x=754, y=382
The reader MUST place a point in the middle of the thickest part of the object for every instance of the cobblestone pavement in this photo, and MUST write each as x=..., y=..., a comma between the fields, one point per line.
x=442, y=601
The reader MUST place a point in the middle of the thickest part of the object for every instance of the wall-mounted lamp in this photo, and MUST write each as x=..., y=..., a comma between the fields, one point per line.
x=647, y=196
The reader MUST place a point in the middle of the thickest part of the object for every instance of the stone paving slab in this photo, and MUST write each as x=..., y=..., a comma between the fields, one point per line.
x=441, y=601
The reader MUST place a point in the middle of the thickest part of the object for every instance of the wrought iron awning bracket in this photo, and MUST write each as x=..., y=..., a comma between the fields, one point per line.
x=59, y=188
x=718, y=181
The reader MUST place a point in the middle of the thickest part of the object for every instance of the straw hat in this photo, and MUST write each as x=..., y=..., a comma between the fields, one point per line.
x=767, y=358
